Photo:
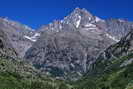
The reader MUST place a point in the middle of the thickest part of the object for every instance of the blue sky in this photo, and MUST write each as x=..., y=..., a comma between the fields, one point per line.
x=40, y=12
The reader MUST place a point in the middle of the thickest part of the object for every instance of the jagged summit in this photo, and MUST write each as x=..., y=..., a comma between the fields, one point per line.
x=81, y=11
x=81, y=17
x=78, y=16
x=66, y=48
x=76, y=20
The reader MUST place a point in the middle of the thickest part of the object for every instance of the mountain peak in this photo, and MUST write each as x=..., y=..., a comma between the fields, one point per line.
x=78, y=17
x=80, y=11
x=77, y=9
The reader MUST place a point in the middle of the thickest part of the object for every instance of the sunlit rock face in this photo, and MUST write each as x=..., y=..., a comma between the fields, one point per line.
x=66, y=48
x=118, y=28
x=17, y=34
x=6, y=48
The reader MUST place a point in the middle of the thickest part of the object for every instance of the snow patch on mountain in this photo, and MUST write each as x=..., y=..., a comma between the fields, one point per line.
x=78, y=22
x=33, y=38
x=36, y=35
x=97, y=19
x=30, y=38
x=90, y=25
x=111, y=37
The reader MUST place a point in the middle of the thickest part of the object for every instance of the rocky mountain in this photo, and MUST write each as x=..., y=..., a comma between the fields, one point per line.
x=113, y=69
x=97, y=53
x=18, y=34
x=111, y=54
x=66, y=48
x=16, y=74
x=118, y=28
x=6, y=48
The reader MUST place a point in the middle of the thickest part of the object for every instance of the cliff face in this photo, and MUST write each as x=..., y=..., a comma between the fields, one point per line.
x=16, y=33
x=81, y=46
x=66, y=50
x=68, y=47
x=6, y=48
x=113, y=68
x=118, y=28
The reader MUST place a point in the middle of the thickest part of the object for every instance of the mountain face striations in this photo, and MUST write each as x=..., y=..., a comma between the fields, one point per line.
x=113, y=68
x=118, y=28
x=81, y=51
x=67, y=48
x=18, y=34
x=6, y=48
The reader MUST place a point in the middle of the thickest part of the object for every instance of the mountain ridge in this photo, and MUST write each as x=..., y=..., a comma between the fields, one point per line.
x=80, y=52
x=94, y=36
x=58, y=39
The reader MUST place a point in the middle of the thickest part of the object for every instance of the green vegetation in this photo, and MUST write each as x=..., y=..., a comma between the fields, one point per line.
x=113, y=76
x=108, y=74
x=18, y=75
